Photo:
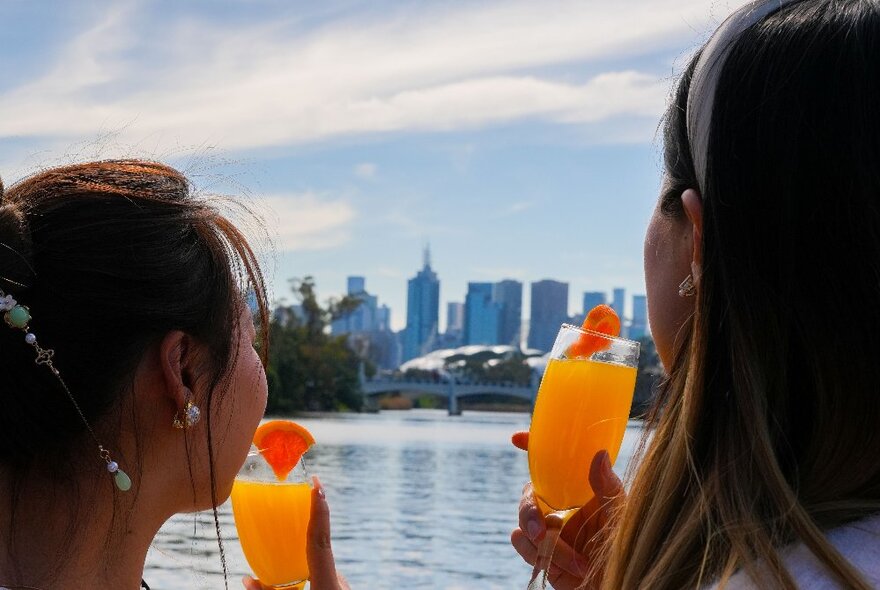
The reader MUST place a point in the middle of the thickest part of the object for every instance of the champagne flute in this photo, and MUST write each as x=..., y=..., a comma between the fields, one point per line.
x=582, y=407
x=272, y=519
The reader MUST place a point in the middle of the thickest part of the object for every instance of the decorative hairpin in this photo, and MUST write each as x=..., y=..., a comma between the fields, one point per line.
x=19, y=316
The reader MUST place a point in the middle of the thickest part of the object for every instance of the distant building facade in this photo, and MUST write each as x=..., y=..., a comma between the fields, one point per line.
x=454, y=316
x=363, y=319
x=549, y=310
x=638, y=328
x=453, y=337
x=618, y=302
x=592, y=299
x=368, y=328
x=508, y=295
x=422, y=311
x=482, y=315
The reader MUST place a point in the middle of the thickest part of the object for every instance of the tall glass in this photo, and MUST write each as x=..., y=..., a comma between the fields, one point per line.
x=582, y=408
x=272, y=518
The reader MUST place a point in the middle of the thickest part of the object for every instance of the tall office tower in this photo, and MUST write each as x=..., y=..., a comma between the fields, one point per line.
x=592, y=299
x=454, y=317
x=617, y=302
x=639, y=326
x=549, y=310
x=508, y=294
x=481, y=315
x=383, y=318
x=422, y=311
x=356, y=285
x=363, y=318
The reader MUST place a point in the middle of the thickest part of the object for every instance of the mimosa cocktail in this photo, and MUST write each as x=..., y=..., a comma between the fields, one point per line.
x=272, y=502
x=272, y=520
x=582, y=408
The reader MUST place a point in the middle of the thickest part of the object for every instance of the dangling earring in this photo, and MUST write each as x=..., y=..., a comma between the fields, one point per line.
x=188, y=416
x=687, y=288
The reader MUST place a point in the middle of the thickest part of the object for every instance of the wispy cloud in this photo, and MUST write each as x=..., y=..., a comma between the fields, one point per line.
x=307, y=221
x=274, y=83
x=518, y=207
x=366, y=170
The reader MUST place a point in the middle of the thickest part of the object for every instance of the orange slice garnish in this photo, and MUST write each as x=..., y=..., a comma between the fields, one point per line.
x=282, y=443
x=601, y=319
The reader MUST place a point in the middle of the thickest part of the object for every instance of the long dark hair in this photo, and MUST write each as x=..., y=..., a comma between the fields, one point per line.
x=766, y=431
x=109, y=256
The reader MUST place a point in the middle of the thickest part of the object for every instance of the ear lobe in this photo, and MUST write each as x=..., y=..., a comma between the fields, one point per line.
x=173, y=352
x=692, y=202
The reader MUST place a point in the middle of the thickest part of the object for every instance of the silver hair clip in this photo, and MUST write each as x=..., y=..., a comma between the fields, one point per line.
x=19, y=316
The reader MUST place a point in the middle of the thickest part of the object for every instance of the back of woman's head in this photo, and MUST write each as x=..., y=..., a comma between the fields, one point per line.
x=109, y=257
x=768, y=433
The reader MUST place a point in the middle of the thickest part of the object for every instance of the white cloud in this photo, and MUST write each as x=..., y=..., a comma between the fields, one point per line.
x=365, y=170
x=517, y=207
x=307, y=221
x=444, y=67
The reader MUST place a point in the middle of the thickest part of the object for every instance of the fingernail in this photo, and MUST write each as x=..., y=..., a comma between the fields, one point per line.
x=318, y=486
x=533, y=529
x=606, y=461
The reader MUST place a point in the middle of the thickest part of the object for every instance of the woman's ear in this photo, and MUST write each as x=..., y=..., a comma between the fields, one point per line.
x=693, y=209
x=175, y=351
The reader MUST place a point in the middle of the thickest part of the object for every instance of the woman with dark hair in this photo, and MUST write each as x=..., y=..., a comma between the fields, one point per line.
x=130, y=384
x=762, y=263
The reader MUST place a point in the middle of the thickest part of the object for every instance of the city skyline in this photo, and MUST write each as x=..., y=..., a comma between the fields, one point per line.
x=490, y=314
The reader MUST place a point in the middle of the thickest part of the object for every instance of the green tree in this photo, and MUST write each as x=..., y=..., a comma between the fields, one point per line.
x=308, y=368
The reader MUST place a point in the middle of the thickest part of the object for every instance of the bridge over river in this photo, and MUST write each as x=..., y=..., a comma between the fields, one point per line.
x=451, y=388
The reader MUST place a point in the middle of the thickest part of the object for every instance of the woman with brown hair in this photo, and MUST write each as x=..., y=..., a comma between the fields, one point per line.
x=762, y=264
x=130, y=384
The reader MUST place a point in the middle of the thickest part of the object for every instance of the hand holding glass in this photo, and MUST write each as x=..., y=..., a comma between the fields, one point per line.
x=582, y=408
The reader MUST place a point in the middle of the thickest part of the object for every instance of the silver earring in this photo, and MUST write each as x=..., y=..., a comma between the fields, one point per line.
x=687, y=288
x=188, y=416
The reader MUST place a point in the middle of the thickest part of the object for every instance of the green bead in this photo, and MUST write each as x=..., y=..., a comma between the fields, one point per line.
x=18, y=317
x=123, y=482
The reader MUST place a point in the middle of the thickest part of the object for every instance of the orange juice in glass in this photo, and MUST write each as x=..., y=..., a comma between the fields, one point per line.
x=582, y=408
x=272, y=518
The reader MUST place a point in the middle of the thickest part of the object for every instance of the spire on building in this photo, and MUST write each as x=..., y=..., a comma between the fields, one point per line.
x=427, y=256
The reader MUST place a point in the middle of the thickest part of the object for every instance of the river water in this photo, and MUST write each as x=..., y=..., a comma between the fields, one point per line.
x=418, y=499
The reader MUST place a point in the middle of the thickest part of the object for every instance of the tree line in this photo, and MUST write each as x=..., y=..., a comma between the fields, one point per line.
x=309, y=369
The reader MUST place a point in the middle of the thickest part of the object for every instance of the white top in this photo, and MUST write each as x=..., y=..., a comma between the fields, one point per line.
x=859, y=542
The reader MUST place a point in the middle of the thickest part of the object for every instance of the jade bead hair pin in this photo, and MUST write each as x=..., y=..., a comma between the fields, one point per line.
x=18, y=316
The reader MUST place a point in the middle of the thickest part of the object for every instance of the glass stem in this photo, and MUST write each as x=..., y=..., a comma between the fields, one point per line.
x=554, y=523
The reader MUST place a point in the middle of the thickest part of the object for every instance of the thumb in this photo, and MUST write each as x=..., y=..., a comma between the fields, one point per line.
x=252, y=584
x=322, y=566
x=520, y=440
x=603, y=480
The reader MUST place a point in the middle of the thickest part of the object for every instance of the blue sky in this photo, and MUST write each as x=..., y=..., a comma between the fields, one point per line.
x=517, y=138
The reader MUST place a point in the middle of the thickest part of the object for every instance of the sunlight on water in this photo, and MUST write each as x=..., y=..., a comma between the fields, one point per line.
x=419, y=500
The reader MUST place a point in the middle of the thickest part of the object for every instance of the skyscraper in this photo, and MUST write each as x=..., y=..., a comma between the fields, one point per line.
x=482, y=314
x=639, y=326
x=455, y=317
x=363, y=318
x=508, y=294
x=592, y=299
x=617, y=302
x=356, y=285
x=549, y=309
x=422, y=311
